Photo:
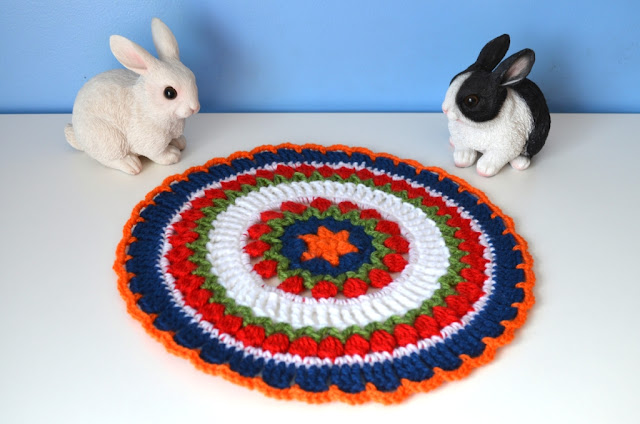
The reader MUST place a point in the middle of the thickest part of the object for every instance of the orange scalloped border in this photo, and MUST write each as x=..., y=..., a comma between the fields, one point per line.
x=333, y=394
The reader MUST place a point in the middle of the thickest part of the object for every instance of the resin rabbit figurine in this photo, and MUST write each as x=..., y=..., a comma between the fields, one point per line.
x=497, y=112
x=122, y=114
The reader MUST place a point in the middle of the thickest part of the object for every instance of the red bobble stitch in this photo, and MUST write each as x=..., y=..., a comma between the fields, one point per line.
x=276, y=343
x=405, y=335
x=397, y=243
x=197, y=298
x=469, y=235
x=381, y=180
x=247, y=179
x=426, y=326
x=455, y=221
x=330, y=347
x=379, y=278
x=365, y=174
x=388, y=227
x=189, y=282
x=305, y=169
x=347, y=206
x=251, y=335
x=184, y=238
x=230, y=185
x=285, y=171
x=471, y=247
x=183, y=226
x=394, y=262
x=263, y=173
x=354, y=287
x=430, y=201
x=201, y=202
x=212, y=312
x=257, y=248
x=370, y=214
x=267, y=268
x=381, y=341
x=258, y=230
x=470, y=291
x=304, y=346
x=183, y=235
x=412, y=193
x=474, y=276
x=324, y=289
x=191, y=215
x=326, y=171
x=179, y=254
x=356, y=345
x=293, y=285
x=215, y=193
x=293, y=207
x=400, y=185
x=181, y=269
x=321, y=204
x=344, y=172
x=444, y=316
x=269, y=215
x=459, y=304
x=229, y=324
x=474, y=261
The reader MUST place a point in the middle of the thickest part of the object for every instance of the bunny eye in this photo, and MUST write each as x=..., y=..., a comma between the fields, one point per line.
x=471, y=100
x=170, y=93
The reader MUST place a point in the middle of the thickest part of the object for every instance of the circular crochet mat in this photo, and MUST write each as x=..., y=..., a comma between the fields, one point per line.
x=325, y=273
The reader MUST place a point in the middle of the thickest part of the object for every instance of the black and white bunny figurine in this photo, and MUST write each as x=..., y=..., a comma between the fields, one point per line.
x=497, y=112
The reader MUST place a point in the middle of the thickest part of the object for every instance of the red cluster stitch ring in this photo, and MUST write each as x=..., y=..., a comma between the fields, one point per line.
x=325, y=274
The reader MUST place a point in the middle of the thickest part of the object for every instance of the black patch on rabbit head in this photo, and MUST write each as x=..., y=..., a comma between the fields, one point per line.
x=480, y=97
x=483, y=93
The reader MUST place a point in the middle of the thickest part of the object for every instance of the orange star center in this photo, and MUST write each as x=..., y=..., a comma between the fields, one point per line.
x=327, y=245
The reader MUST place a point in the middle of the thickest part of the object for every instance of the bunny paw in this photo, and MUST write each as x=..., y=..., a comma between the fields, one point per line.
x=464, y=158
x=180, y=142
x=487, y=170
x=520, y=163
x=169, y=156
x=130, y=164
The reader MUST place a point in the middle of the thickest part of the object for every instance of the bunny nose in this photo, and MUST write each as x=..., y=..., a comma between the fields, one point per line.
x=195, y=109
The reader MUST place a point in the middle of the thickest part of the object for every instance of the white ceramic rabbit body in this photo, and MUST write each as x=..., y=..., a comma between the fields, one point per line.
x=122, y=114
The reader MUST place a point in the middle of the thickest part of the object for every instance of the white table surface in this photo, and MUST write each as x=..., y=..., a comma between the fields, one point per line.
x=72, y=354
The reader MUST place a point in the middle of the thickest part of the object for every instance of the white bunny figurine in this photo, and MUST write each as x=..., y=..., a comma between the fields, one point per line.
x=494, y=109
x=121, y=114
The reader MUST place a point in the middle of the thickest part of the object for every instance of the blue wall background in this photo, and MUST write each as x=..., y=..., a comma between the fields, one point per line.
x=325, y=55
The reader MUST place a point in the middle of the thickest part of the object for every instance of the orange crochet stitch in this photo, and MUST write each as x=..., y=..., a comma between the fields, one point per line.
x=327, y=245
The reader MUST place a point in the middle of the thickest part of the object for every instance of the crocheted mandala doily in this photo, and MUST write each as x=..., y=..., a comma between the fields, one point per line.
x=325, y=274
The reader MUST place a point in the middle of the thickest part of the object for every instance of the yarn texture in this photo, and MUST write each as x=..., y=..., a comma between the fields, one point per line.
x=325, y=273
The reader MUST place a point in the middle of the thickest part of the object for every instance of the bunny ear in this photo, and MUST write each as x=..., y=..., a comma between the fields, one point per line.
x=131, y=55
x=515, y=68
x=164, y=40
x=493, y=52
